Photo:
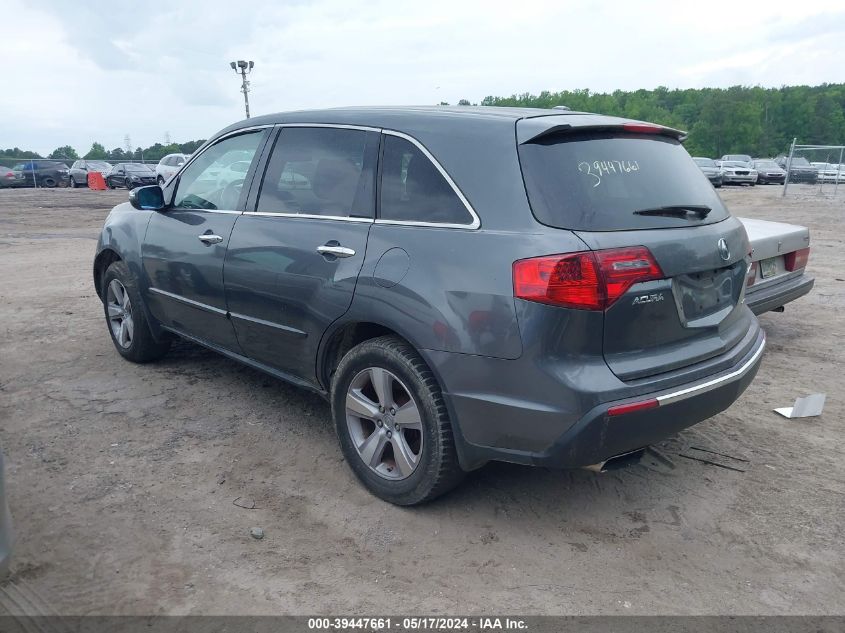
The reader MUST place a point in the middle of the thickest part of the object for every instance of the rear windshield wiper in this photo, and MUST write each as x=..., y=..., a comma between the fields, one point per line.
x=678, y=211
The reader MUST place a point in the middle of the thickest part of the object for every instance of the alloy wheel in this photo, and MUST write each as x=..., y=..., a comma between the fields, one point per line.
x=120, y=314
x=384, y=423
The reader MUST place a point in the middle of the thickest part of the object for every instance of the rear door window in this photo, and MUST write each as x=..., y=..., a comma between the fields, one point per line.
x=598, y=182
x=414, y=190
x=320, y=171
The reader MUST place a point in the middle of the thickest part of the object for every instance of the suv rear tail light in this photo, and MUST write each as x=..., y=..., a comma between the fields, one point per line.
x=796, y=260
x=591, y=280
x=751, y=276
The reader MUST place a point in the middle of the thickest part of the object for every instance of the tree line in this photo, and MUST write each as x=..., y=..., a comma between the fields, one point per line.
x=154, y=152
x=737, y=120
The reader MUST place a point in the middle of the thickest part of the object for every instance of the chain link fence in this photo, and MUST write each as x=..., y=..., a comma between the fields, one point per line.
x=50, y=172
x=819, y=168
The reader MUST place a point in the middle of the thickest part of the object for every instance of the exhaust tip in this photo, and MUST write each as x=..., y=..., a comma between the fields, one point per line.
x=623, y=460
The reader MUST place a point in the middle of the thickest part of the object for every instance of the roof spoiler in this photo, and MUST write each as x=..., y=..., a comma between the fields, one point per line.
x=631, y=127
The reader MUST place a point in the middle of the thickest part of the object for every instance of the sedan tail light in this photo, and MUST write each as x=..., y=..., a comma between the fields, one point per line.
x=591, y=280
x=796, y=260
x=751, y=276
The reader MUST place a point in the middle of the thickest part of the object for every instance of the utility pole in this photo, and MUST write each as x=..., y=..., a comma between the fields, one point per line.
x=243, y=68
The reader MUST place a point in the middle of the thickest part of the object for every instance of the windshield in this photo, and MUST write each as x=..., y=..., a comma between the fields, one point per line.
x=744, y=158
x=98, y=165
x=766, y=164
x=705, y=162
x=734, y=163
x=596, y=182
x=138, y=168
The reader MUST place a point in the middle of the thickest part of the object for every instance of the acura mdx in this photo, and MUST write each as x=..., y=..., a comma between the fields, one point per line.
x=463, y=284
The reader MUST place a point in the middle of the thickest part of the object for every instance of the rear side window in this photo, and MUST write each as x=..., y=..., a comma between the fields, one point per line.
x=320, y=171
x=414, y=190
x=598, y=182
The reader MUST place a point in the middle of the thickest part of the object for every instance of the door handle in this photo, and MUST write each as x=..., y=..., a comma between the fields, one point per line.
x=337, y=251
x=208, y=239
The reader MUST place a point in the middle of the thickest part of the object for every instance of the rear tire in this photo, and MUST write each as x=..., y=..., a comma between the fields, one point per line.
x=125, y=318
x=49, y=182
x=406, y=458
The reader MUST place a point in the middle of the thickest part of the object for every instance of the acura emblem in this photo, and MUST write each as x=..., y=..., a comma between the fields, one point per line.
x=724, y=251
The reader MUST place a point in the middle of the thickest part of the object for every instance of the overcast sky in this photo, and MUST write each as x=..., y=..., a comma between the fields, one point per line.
x=73, y=73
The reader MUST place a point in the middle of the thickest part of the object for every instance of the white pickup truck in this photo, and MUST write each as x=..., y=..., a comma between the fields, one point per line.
x=778, y=261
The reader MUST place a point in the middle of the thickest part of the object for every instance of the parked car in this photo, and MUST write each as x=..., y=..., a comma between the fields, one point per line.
x=540, y=286
x=778, y=260
x=829, y=172
x=736, y=172
x=800, y=171
x=710, y=169
x=130, y=175
x=768, y=171
x=78, y=173
x=10, y=178
x=169, y=165
x=742, y=158
x=5, y=525
x=43, y=173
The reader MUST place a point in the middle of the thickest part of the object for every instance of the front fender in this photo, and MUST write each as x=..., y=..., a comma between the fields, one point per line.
x=121, y=238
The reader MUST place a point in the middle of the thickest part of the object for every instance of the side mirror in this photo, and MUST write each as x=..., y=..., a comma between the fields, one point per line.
x=150, y=198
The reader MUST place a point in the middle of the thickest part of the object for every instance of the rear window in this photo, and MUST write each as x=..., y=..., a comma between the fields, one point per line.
x=597, y=182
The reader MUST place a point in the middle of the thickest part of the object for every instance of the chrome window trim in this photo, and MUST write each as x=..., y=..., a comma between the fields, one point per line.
x=714, y=383
x=340, y=126
x=308, y=216
x=476, y=221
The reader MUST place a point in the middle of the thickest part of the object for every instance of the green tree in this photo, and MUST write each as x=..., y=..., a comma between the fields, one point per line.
x=97, y=152
x=65, y=151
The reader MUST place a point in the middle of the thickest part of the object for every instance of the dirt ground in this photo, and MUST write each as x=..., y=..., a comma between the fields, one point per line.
x=123, y=478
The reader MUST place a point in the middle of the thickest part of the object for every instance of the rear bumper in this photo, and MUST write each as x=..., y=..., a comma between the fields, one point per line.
x=511, y=427
x=769, y=297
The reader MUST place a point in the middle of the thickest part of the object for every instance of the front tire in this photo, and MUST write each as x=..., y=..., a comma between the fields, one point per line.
x=71, y=183
x=160, y=181
x=128, y=184
x=392, y=423
x=125, y=318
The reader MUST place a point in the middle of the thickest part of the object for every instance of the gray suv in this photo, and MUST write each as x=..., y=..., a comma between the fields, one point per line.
x=462, y=284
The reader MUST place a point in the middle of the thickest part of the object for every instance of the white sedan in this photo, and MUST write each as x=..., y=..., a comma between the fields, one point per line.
x=736, y=172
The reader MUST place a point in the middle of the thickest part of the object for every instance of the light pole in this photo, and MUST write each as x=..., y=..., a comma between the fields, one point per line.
x=243, y=68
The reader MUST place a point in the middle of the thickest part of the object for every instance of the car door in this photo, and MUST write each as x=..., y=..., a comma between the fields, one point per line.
x=185, y=245
x=294, y=256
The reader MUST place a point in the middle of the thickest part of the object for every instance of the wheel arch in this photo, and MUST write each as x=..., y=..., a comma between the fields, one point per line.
x=104, y=259
x=343, y=336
